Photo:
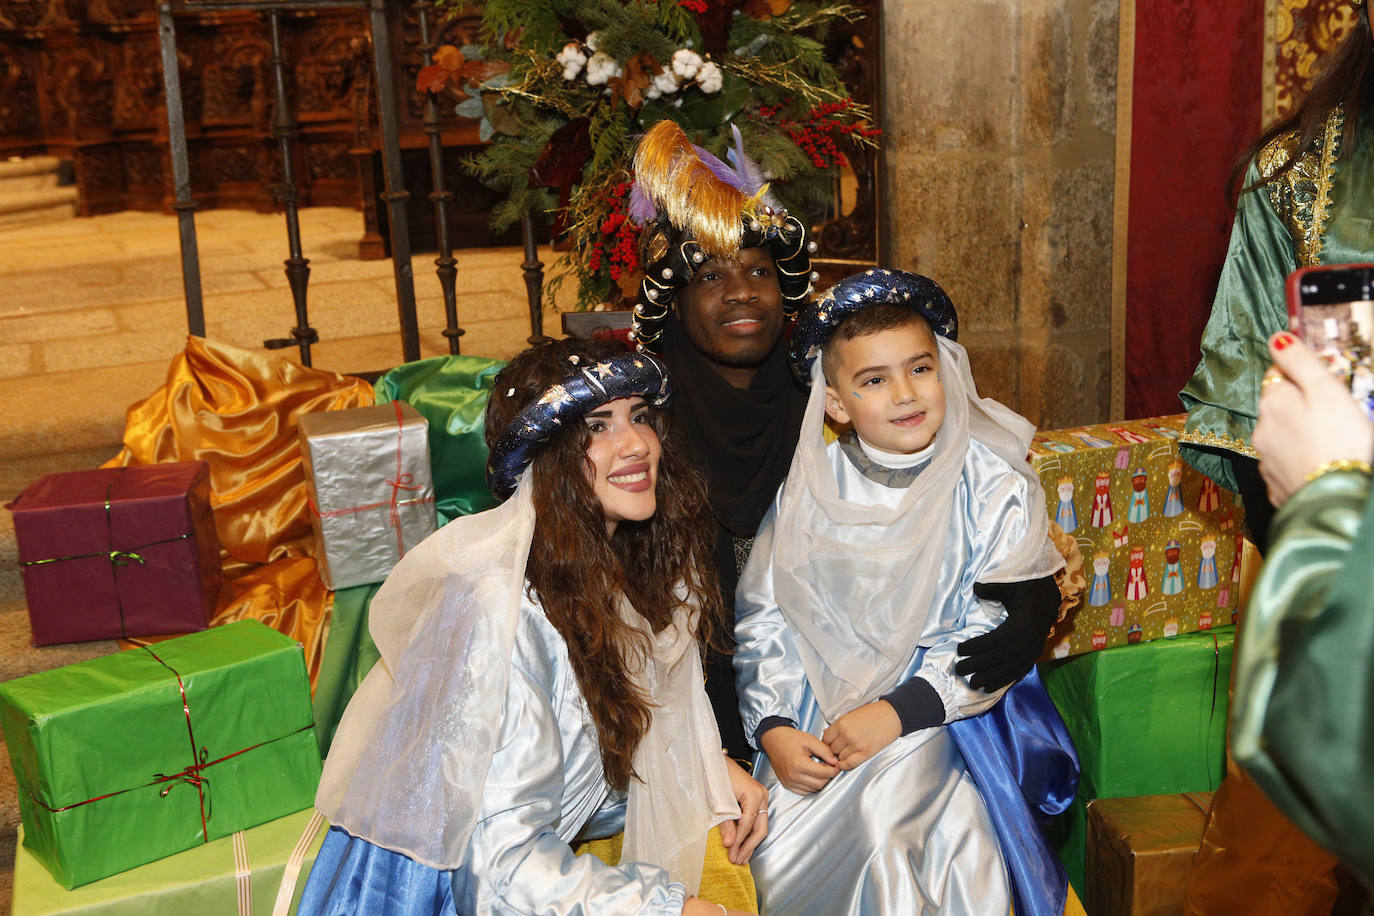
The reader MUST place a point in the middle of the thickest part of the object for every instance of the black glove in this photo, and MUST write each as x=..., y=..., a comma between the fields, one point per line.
x=1004, y=655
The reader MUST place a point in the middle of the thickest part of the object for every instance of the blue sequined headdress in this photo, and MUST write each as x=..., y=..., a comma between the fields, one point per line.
x=855, y=293
x=696, y=207
x=622, y=375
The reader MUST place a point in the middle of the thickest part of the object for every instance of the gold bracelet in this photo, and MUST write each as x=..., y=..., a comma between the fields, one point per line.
x=1340, y=464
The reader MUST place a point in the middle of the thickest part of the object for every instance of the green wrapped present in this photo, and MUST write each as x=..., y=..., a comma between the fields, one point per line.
x=125, y=759
x=252, y=871
x=1147, y=719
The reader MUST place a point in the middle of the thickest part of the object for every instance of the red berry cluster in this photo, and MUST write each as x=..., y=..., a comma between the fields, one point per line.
x=696, y=6
x=818, y=132
x=618, y=247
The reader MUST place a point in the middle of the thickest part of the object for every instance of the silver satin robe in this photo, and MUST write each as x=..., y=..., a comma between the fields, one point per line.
x=546, y=787
x=907, y=832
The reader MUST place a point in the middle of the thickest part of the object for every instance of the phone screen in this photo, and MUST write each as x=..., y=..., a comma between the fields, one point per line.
x=1332, y=309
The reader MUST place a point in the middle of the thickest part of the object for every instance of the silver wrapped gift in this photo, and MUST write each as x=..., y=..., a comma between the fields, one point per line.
x=370, y=486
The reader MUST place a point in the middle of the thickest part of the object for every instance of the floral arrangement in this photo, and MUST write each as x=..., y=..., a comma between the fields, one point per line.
x=563, y=87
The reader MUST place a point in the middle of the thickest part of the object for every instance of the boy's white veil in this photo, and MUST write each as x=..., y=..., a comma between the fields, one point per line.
x=854, y=581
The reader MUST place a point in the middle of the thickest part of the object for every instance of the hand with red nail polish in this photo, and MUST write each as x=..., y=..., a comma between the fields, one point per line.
x=1307, y=418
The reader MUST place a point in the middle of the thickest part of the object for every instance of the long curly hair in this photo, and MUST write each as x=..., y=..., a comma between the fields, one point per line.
x=577, y=573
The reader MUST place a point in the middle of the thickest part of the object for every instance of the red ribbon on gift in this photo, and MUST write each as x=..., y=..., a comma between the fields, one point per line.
x=191, y=774
x=402, y=482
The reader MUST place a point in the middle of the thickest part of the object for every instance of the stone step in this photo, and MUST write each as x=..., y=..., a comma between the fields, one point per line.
x=44, y=205
x=31, y=174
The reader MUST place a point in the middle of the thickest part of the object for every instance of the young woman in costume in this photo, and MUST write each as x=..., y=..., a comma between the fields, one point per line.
x=1304, y=201
x=540, y=681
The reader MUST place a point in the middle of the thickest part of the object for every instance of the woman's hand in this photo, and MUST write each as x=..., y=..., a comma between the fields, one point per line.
x=804, y=763
x=741, y=837
x=1307, y=418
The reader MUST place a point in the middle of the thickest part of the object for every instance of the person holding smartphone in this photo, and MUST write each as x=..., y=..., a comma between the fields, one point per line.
x=1305, y=660
x=1304, y=200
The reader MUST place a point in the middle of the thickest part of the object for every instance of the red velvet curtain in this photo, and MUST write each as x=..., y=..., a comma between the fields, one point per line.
x=1195, y=103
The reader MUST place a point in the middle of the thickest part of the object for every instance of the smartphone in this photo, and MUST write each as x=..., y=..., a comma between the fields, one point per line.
x=1332, y=309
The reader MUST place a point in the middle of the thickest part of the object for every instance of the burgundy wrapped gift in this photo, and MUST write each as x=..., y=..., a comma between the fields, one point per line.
x=117, y=552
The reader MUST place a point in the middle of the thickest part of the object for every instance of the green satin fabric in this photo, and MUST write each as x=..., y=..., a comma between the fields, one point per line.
x=348, y=655
x=1222, y=397
x=451, y=392
x=1302, y=720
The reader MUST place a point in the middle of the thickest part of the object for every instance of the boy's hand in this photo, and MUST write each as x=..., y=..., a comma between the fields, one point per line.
x=791, y=750
x=860, y=733
x=742, y=836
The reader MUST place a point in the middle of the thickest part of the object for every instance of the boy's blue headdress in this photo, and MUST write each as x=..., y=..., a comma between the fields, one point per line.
x=876, y=286
x=623, y=375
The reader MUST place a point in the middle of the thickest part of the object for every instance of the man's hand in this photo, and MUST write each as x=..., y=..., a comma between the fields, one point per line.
x=741, y=837
x=999, y=658
x=791, y=752
x=860, y=733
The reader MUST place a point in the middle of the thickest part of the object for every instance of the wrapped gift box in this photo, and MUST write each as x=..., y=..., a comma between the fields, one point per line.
x=215, y=877
x=1147, y=719
x=371, y=489
x=1140, y=851
x=125, y=759
x=116, y=552
x=1161, y=543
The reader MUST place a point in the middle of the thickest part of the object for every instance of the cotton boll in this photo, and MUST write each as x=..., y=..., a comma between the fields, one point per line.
x=686, y=63
x=709, y=77
x=666, y=82
x=572, y=59
x=602, y=68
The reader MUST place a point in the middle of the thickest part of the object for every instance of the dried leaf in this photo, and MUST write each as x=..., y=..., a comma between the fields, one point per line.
x=432, y=79
x=561, y=161
x=477, y=72
x=639, y=74
x=448, y=57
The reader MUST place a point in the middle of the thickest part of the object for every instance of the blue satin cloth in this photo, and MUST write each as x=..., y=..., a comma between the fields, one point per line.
x=1023, y=761
x=352, y=876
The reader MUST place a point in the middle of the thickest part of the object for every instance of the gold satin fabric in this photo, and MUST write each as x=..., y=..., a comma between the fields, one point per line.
x=236, y=410
x=1253, y=860
x=722, y=882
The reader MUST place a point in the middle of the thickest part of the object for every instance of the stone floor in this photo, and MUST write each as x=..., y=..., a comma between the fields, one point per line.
x=91, y=313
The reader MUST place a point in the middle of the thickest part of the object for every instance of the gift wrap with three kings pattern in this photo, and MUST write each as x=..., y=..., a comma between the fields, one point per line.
x=1161, y=544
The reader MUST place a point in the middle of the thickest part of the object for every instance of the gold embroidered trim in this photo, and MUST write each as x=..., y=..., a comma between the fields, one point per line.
x=1321, y=210
x=1302, y=196
x=1219, y=440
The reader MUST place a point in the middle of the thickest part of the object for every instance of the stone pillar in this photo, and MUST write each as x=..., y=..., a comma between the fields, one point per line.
x=1000, y=120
